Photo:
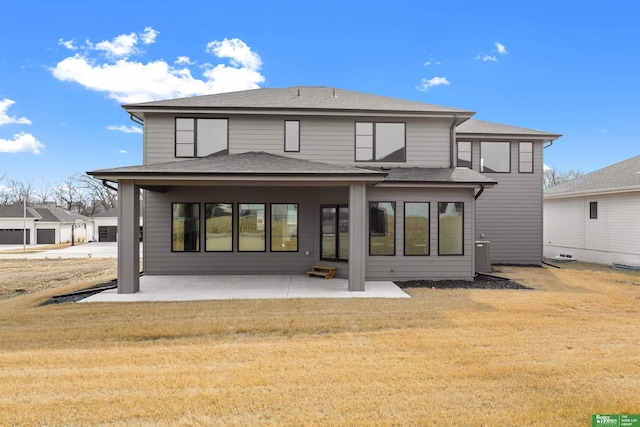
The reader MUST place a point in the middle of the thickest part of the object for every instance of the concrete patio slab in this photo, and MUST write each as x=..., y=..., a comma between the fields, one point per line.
x=193, y=288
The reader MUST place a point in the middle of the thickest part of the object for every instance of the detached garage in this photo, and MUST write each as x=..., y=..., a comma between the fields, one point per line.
x=45, y=224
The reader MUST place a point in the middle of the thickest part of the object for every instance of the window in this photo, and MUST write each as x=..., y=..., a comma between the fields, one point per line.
x=284, y=227
x=334, y=241
x=495, y=157
x=382, y=224
x=416, y=228
x=251, y=231
x=450, y=228
x=464, y=154
x=380, y=142
x=185, y=227
x=525, y=157
x=291, y=136
x=218, y=227
x=201, y=137
x=593, y=210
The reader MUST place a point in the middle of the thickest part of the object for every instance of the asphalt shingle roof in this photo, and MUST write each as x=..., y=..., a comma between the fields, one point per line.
x=437, y=175
x=298, y=97
x=622, y=175
x=249, y=163
x=473, y=127
x=17, y=211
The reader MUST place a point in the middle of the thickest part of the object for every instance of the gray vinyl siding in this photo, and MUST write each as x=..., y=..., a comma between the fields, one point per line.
x=509, y=215
x=159, y=138
x=322, y=139
x=433, y=266
x=158, y=258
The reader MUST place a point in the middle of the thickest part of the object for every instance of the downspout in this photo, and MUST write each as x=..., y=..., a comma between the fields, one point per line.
x=479, y=192
x=547, y=146
x=452, y=138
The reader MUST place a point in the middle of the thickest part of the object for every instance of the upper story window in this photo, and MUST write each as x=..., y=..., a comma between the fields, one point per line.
x=495, y=157
x=201, y=137
x=593, y=210
x=380, y=142
x=525, y=157
x=464, y=154
x=291, y=136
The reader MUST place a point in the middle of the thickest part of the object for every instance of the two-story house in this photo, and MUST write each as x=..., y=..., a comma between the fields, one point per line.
x=272, y=181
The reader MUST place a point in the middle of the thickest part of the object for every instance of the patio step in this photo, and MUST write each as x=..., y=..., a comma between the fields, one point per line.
x=322, y=271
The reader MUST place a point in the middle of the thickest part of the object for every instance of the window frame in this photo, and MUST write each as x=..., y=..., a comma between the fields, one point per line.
x=521, y=162
x=287, y=150
x=374, y=139
x=337, y=246
x=195, y=136
x=395, y=220
x=297, y=235
x=593, y=210
x=428, y=229
x=239, y=249
x=198, y=222
x=470, y=154
x=482, y=167
x=232, y=226
x=462, y=236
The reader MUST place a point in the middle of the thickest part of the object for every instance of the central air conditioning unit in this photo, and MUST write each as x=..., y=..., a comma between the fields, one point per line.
x=483, y=256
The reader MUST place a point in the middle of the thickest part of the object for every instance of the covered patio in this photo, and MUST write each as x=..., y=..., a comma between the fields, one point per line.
x=227, y=287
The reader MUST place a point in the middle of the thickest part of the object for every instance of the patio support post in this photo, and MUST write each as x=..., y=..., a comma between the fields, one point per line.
x=357, y=235
x=128, y=237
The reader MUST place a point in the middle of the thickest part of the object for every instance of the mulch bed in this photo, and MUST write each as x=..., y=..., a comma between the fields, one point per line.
x=481, y=281
x=81, y=294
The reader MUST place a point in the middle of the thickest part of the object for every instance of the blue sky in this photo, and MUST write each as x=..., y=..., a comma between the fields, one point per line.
x=568, y=67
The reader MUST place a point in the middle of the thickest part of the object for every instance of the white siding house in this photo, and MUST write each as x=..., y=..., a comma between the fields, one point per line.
x=596, y=217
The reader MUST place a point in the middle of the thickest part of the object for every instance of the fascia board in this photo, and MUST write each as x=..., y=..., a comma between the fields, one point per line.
x=599, y=192
x=139, y=112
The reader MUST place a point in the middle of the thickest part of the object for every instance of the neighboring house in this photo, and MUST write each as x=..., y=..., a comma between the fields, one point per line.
x=49, y=224
x=596, y=217
x=106, y=226
x=273, y=181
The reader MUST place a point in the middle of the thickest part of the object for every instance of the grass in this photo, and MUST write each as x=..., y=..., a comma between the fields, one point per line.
x=552, y=356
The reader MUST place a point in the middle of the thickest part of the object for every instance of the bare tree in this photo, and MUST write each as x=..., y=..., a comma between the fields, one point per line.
x=20, y=191
x=45, y=192
x=69, y=194
x=553, y=176
x=102, y=197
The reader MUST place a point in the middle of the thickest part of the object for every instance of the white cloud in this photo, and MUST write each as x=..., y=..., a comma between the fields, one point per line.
x=183, y=60
x=123, y=45
x=21, y=142
x=149, y=35
x=125, y=129
x=237, y=51
x=435, y=81
x=69, y=44
x=5, y=119
x=501, y=49
x=129, y=81
x=486, y=58
x=123, y=151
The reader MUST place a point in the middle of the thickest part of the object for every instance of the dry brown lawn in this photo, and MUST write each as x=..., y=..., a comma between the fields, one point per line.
x=546, y=357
